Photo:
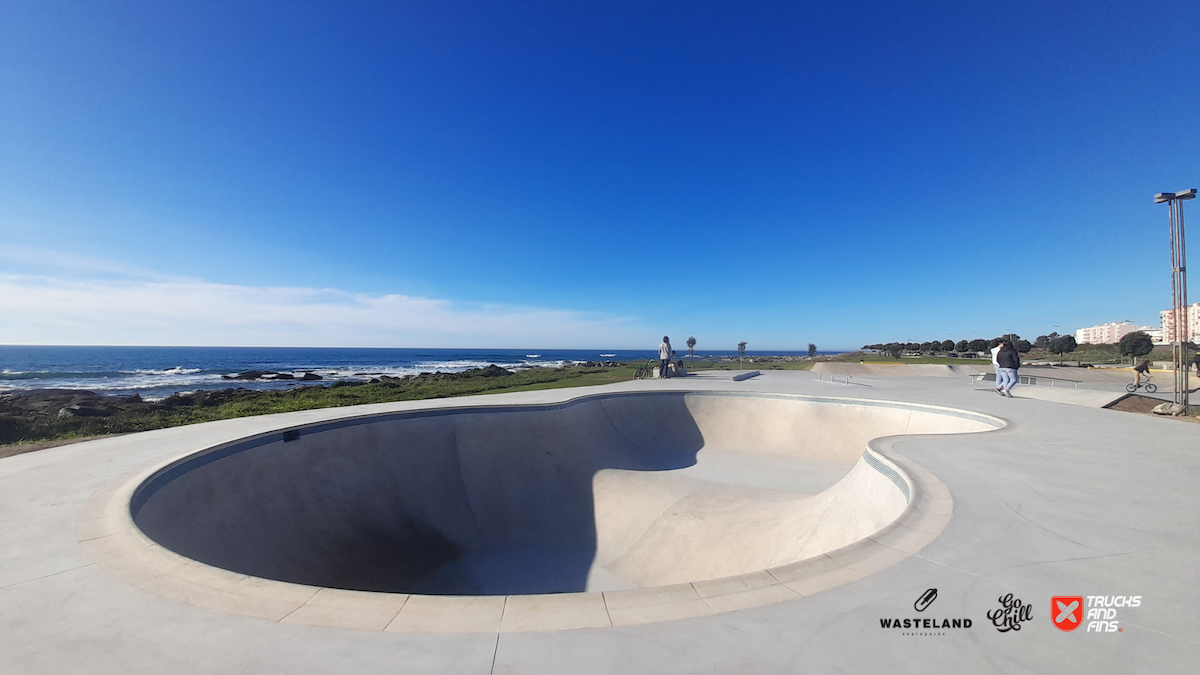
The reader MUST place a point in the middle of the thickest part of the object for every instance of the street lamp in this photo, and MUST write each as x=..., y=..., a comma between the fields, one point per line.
x=1179, y=299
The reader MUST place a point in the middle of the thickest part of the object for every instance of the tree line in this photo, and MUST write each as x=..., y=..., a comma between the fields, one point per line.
x=1052, y=343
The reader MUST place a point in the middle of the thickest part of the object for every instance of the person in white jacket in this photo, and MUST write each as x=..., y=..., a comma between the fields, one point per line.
x=996, y=345
x=664, y=357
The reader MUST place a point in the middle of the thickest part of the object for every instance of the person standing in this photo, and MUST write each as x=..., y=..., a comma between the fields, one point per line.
x=664, y=357
x=1008, y=361
x=1196, y=362
x=996, y=345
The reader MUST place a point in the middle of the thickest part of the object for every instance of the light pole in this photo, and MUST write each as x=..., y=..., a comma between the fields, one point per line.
x=1179, y=300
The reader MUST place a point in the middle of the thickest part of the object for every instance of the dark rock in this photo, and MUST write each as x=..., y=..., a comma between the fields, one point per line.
x=1168, y=408
x=282, y=376
x=310, y=377
x=249, y=375
x=136, y=398
x=46, y=403
x=78, y=410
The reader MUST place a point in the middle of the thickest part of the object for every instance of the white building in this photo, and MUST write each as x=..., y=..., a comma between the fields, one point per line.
x=1156, y=334
x=1105, y=334
x=1193, y=323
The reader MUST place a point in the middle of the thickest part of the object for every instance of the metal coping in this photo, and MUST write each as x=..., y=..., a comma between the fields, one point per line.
x=889, y=473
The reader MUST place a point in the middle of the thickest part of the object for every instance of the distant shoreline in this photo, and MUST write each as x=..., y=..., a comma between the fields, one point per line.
x=50, y=415
x=158, y=372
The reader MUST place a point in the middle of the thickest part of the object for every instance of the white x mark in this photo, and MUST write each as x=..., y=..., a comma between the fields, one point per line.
x=1066, y=611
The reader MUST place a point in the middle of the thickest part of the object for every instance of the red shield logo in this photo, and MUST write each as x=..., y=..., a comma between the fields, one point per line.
x=1066, y=611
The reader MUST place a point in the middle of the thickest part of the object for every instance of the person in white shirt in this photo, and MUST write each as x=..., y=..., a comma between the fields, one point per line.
x=997, y=344
x=664, y=357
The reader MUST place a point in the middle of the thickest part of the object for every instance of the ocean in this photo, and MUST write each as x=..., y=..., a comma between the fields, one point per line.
x=157, y=372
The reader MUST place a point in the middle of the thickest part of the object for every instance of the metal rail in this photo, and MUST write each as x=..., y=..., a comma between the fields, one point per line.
x=1030, y=380
x=833, y=377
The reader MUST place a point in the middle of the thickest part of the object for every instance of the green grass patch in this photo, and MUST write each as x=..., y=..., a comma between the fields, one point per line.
x=759, y=364
x=1100, y=354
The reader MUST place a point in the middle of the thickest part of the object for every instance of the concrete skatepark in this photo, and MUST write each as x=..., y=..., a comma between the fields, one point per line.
x=686, y=525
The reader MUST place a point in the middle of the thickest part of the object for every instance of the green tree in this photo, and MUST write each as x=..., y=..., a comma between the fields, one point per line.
x=1024, y=346
x=812, y=350
x=1042, y=342
x=741, y=353
x=1063, y=344
x=978, y=345
x=962, y=346
x=947, y=345
x=691, y=343
x=1136, y=345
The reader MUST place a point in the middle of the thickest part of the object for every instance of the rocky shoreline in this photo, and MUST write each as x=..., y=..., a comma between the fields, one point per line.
x=38, y=405
x=41, y=404
x=269, y=376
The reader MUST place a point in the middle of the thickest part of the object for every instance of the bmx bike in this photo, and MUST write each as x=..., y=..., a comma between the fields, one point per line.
x=1149, y=386
x=645, y=372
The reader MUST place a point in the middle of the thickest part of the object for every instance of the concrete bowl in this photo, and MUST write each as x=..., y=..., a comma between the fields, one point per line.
x=601, y=510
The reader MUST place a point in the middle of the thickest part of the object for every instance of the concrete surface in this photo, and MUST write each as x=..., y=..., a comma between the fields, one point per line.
x=902, y=369
x=726, y=375
x=607, y=493
x=1065, y=500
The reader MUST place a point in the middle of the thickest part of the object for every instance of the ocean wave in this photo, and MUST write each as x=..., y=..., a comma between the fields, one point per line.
x=110, y=382
x=55, y=375
x=177, y=370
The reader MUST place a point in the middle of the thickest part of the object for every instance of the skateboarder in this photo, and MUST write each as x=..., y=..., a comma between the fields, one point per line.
x=664, y=357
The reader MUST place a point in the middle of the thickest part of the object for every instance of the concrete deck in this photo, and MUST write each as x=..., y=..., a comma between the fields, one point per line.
x=1067, y=500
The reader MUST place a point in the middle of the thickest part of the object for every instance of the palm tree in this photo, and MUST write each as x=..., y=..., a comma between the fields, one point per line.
x=741, y=353
x=691, y=343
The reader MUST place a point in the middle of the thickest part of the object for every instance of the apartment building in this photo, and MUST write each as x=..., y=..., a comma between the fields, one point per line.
x=1155, y=333
x=1193, y=323
x=1105, y=334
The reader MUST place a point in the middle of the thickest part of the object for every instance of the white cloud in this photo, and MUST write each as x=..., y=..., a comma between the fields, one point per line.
x=16, y=256
x=168, y=311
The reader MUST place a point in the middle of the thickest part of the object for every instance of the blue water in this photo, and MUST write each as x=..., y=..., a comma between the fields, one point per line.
x=157, y=372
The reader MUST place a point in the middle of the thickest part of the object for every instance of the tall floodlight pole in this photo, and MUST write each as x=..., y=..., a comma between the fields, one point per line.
x=1179, y=299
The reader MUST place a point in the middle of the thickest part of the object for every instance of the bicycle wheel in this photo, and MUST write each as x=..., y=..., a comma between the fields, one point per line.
x=1151, y=388
x=1131, y=388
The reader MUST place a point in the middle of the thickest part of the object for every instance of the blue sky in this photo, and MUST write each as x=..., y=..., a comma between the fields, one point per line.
x=481, y=174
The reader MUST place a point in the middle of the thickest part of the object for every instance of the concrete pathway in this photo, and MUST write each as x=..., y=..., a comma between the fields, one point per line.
x=1068, y=500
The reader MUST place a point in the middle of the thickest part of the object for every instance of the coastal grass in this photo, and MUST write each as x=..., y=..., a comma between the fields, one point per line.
x=210, y=406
